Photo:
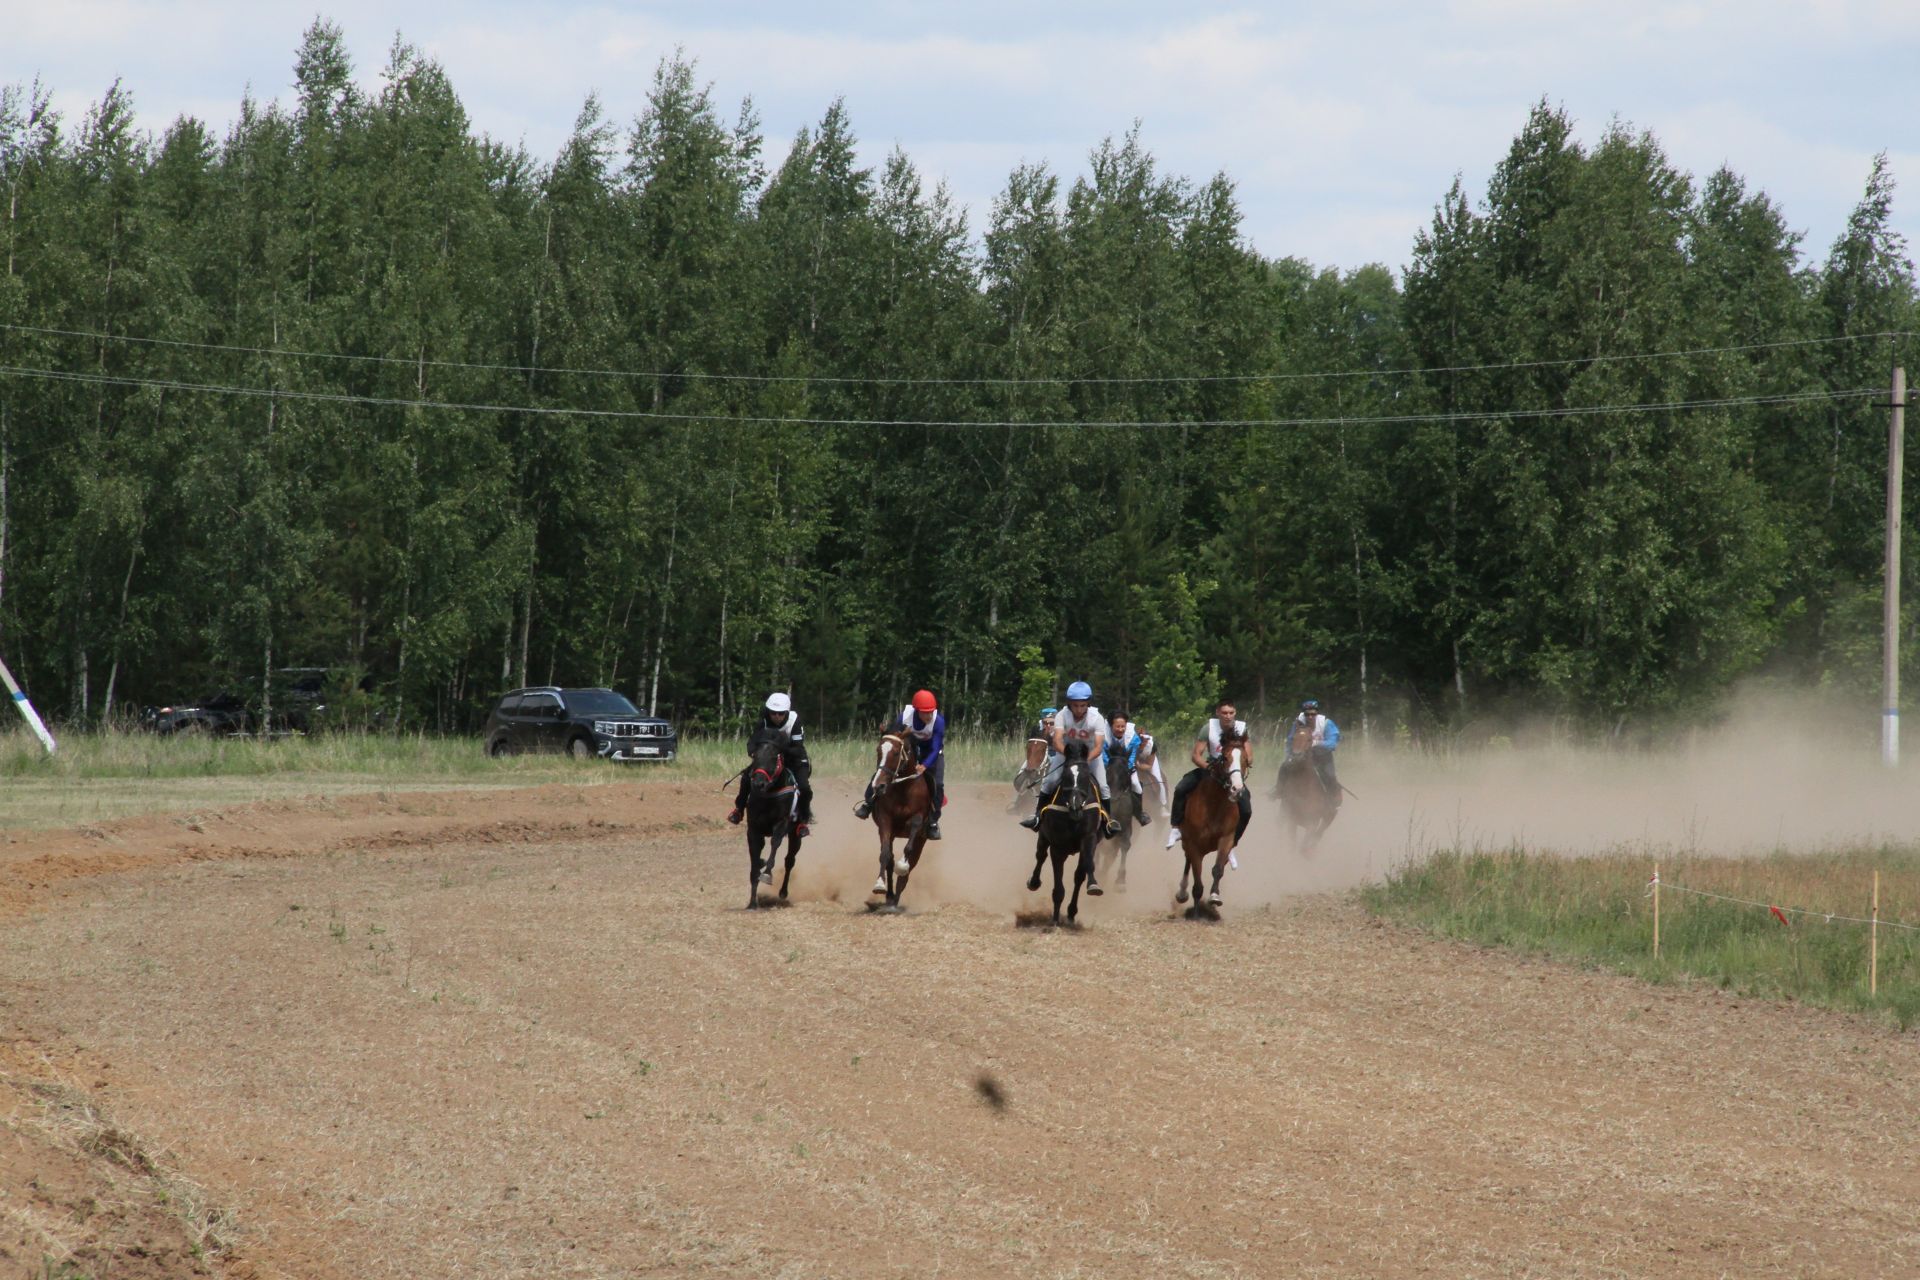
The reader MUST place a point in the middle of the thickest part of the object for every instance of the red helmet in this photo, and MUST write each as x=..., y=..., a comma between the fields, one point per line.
x=924, y=703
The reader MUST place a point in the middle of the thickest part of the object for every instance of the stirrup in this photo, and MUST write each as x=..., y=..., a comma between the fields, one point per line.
x=863, y=810
x=933, y=831
x=1112, y=828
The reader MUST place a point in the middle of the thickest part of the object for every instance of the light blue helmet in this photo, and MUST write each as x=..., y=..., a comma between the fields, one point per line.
x=1049, y=711
x=1079, y=691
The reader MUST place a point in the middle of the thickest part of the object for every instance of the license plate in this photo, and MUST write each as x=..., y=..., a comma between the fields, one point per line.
x=643, y=751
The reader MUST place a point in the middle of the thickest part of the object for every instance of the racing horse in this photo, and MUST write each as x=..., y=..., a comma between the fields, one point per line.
x=1069, y=824
x=1027, y=777
x=1307, y=805
x=902, y=809
x=1123, y=806
x=1212, y=817
x=770, y=800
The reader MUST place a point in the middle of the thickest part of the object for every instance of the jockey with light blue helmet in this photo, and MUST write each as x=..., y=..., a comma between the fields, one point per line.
x=1079, y=721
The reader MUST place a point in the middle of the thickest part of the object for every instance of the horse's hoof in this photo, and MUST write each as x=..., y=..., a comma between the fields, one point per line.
x=1120, y=886
x=1213, y=899
x=766, y=877
x=1180, y=896
x=900, y=866
x=1094, y=890
x=879, y=886
x=1033, y=885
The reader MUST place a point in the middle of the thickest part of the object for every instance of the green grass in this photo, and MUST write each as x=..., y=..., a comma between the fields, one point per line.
x=1595, y=910
x=104, y=775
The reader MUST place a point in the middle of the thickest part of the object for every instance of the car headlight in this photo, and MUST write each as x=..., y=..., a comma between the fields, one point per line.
x=602, y=728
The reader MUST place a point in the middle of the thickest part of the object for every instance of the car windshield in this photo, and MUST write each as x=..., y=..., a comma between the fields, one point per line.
x=598, y=702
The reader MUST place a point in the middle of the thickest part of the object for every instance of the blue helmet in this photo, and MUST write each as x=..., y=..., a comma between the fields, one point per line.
x=1049, y=711
x=1079, y=691
x=1311, y=704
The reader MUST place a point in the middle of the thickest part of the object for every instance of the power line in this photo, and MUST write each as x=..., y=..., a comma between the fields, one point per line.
x=411, y=362
x=1409, y=419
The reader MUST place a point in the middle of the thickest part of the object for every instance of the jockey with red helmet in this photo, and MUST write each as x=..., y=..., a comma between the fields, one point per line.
x=922, y=719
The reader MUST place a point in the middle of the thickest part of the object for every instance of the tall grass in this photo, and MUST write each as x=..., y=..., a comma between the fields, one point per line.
x=1596, y=910
x=421, y=757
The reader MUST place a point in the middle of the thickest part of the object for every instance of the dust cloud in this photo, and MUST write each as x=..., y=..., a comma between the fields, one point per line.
x=1772, y=775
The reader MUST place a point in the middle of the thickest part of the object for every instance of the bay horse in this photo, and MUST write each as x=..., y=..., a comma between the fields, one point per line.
x=1121, y=809
x=1306, y=805
x=1027, y=777
x=902, y=809
x=770, y=800
x=1069, y=824
x=1213, y=814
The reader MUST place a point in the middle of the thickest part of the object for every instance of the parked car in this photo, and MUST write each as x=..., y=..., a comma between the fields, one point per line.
x=584, y=723
x=222, y=712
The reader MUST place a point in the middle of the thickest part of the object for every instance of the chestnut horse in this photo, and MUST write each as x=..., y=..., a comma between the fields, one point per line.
x=1306, y=805
x=902, y=809
x=770, y=799
x=1069, y=824
x=1027, y=777
x=1213, y=814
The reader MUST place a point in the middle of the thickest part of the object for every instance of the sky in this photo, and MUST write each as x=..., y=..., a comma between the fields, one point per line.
x=1341, y=124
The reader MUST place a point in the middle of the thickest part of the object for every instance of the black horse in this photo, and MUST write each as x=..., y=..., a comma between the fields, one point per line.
x=1070, y=823
x=1123, y=806
x=770, y=796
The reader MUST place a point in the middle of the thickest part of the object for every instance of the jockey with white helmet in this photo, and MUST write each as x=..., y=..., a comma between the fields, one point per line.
x=778, y=721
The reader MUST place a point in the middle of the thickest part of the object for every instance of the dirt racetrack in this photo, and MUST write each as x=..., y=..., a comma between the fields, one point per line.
x=532, y=1033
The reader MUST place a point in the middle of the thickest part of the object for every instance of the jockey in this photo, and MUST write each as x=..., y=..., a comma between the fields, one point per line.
x=1206, y=749
x=1326, y=736
x=1150, y=751
x=1078, y=721
x=922, y=719
x=779, y=721
x=1126, y=744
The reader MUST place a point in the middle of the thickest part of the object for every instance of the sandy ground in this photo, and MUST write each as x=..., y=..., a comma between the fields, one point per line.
x=533, y=1033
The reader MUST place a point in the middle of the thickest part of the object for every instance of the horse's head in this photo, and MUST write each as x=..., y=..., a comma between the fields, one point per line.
x=1229, y=767
x=1078, y=787
x=1037, y=753
x=893, y=758
x=768, y=773
x=1300, y=739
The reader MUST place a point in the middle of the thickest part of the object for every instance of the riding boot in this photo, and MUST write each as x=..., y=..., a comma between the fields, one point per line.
x=1246, y=816
x=933, y=827
x=865, y=808
x=1032, y=823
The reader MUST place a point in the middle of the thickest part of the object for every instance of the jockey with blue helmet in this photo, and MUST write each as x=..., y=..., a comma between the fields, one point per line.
x=1079, y=721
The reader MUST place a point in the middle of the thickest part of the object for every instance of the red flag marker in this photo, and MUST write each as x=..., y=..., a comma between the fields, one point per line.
x=1781, y=916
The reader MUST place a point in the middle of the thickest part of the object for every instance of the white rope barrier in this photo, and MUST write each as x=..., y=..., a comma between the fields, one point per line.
x=1827, y=916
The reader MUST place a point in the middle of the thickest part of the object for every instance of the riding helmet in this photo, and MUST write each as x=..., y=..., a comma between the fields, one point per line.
x=925, y=703
x=1079, y=691
x=1311, y=704
x=779, y=703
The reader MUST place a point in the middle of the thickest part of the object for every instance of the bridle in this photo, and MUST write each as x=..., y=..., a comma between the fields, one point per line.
x=779, y=768
x=1227, y=769
x=895, y=763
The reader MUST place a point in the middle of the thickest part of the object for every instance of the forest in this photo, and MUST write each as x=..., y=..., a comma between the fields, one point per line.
x=696, y=415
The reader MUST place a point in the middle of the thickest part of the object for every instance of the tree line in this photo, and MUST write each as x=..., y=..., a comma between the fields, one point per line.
x=350, y=386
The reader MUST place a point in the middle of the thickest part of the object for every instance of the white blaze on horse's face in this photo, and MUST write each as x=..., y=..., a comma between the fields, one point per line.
x=1233, y=771
x=886, y=751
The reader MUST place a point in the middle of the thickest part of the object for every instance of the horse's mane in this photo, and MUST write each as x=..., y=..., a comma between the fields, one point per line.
x=1076, y=752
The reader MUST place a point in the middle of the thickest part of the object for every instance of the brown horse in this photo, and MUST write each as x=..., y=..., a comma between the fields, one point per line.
x=1306, y=805
x=902, y=809
x=1027, y=777
x=1213, y=814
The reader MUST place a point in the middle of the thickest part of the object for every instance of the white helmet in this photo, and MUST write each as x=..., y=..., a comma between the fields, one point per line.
x=779, y=702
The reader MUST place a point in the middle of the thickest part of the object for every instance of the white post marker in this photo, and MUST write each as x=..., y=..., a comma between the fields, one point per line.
x=26, y=709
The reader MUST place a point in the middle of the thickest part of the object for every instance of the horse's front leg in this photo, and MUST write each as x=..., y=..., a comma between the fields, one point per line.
x=909, y=859
x=774, y=838
x=1082, y=873
x=883, y=824
x=1039, y=860
x=755, y=842
x=793, y=854
x=1186, y=869
x=1219, y=869
x=1059, y=881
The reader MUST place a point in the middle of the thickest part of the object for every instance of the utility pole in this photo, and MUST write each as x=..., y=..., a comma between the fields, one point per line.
x=1890, y=640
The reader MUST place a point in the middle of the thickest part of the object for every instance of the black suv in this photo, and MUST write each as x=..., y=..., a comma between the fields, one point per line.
x=584, y=723
x=221, y=712
x=299, y=706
